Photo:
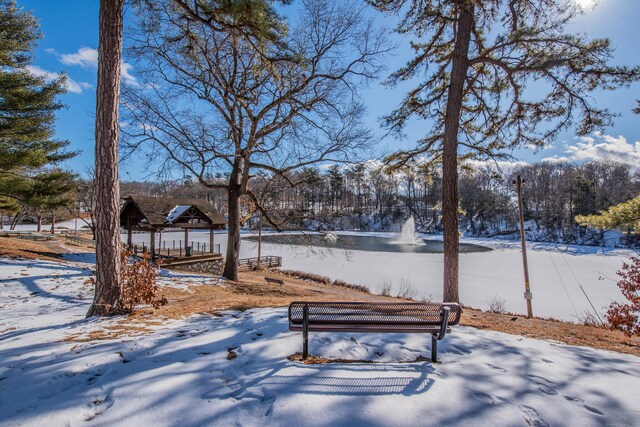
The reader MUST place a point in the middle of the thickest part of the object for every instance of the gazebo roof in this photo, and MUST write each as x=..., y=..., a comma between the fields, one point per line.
x=161, y=212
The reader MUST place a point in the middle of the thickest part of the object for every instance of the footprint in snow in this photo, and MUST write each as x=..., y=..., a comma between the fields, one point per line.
x=458, y=350
x=532, y=417
x=100, y=403
x=580, y=402
x=488, y=398
x=497, y=368
x=94, y=375
x=543, y=384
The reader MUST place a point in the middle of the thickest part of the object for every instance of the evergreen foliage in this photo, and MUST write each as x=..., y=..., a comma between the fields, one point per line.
x=624, y=216
x=526, y=80
x=494, y=75
x=27, y=110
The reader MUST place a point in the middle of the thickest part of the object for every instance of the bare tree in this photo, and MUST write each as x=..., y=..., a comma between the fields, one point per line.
x=107, y=219
x=213, y=100
x=482, y=60
x=85, y=200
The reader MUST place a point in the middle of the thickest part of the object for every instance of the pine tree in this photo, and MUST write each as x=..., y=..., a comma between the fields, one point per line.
x=478, y=61
x=27, y=107
x=107, y=221
x=48, y=191
x=624, y=216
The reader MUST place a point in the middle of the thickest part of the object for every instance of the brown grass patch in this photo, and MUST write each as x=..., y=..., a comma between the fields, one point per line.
x=316, y=278
x=13, y=247
x=548, y=329
x=315, y=360
x=123, y=329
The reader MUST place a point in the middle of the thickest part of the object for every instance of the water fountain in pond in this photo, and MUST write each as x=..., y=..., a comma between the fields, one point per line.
x=408, y=235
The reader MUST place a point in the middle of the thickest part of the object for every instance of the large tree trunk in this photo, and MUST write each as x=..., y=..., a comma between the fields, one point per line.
x=107, y=190
x=233, y=225
x=459, y=69
x=233, y=236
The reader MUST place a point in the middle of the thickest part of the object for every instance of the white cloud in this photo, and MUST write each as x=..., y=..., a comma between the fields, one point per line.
x=87, y=57
x=605, y=147
x=537, y=148
x=72, y=85
x=127, y=78
x=557, y=159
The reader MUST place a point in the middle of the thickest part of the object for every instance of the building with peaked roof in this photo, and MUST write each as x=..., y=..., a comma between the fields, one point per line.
x=155, y=214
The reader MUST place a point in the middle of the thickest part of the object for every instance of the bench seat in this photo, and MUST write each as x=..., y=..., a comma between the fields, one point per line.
x=374, y=317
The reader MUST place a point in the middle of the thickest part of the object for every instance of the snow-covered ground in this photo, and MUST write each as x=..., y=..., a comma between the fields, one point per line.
x=71, y=224
x=560, y=274
x=180, y=374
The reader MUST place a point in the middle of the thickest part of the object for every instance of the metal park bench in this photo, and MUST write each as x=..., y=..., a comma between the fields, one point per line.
x=398, y=317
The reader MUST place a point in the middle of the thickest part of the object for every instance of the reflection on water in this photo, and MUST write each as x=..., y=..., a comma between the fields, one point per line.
x=363, y=243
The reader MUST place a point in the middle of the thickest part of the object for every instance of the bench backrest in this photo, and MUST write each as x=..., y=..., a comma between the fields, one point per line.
x=372, y=316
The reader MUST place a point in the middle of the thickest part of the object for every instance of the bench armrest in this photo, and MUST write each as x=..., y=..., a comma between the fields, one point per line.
x=444, y=324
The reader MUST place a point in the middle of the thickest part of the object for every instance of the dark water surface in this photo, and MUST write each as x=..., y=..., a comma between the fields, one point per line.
x=364, y=243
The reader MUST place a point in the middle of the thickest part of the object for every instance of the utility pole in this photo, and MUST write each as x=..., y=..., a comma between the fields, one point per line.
x=527, y=289
x=259, y=241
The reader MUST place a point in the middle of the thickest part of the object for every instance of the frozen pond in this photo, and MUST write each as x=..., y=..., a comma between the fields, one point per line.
x=562, y=276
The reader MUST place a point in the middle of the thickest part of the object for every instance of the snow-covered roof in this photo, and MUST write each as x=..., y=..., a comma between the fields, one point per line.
x=176, y=213
x=167, y=211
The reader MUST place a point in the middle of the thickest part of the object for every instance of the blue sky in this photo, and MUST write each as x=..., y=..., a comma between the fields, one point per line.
x=70, y=30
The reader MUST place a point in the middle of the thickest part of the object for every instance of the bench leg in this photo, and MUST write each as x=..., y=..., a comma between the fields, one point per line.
x=305, y=332
x=434, y=348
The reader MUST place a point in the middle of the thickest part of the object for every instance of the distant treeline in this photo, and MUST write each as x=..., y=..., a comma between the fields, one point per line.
x=367, y=197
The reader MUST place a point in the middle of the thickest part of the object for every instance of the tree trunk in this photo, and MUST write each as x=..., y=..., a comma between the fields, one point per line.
x=39, y=217
x=53, y=223
x=233, y=234
x=450, y=152
x=107, y=190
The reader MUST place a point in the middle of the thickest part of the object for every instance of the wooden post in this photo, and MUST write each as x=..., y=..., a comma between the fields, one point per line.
x=129, y=233
x=186, y=239
x=211, y=239
x=152, y=244
x=527, y=289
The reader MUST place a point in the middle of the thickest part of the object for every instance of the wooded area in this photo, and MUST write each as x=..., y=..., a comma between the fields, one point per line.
x=366, y=197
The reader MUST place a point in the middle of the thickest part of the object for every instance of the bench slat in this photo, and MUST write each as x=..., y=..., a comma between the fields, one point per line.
x=374, y=315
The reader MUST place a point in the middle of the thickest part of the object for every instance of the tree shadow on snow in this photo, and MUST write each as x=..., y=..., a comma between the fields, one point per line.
x=194, y=356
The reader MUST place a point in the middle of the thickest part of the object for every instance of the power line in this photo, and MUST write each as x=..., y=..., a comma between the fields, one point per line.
x=583, y=291
x=565, y=287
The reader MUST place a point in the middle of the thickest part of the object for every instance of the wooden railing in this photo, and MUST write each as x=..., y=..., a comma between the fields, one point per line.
x=27, y=235
x=79, y=241
x=177, y=251
x=265, y=261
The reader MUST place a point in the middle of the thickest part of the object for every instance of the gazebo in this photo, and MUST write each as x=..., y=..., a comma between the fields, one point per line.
x=156, y=214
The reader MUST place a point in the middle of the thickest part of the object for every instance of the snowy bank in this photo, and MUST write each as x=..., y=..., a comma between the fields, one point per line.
x=179, y=374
